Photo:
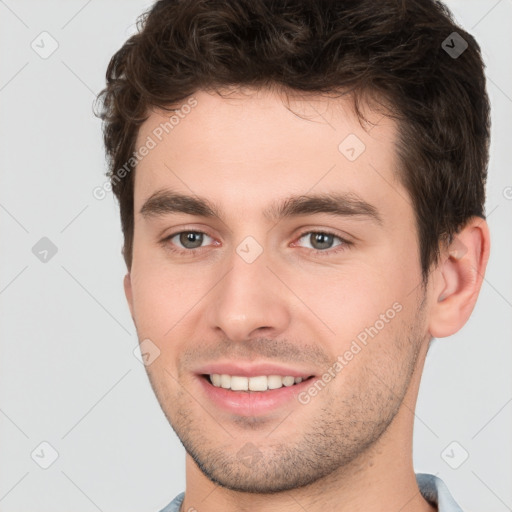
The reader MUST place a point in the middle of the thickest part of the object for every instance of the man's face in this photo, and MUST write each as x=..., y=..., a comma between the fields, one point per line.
x=250, y=293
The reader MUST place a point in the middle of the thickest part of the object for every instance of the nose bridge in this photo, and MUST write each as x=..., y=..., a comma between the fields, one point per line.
x=249, y=296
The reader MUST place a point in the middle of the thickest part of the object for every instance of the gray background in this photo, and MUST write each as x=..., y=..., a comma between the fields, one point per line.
x=68, y=374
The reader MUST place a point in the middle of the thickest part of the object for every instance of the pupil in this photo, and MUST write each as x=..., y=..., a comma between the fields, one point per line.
x=191, y=240
x=322, y=240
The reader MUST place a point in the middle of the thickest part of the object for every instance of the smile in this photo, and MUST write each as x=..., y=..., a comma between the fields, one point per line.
x=257, y=383
x=253, y=396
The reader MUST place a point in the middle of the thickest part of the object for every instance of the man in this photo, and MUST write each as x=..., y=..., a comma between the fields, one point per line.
x=301, y=186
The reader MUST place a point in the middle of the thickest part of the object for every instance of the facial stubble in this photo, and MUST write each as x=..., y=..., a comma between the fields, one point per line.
x=335, y=436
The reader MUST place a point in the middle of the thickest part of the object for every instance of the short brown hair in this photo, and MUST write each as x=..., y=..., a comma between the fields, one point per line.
x=396, y=50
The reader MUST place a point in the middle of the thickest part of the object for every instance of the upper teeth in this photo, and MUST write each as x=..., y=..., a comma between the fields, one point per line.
x=259, y=383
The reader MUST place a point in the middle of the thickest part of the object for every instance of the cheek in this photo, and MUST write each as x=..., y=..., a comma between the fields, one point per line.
x=161, y=297
x=352, y=298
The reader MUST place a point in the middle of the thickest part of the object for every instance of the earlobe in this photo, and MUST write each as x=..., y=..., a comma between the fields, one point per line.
x=458, y=278
x=127, y=282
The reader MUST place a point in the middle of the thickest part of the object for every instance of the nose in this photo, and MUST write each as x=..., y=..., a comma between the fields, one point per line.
x=249, y=301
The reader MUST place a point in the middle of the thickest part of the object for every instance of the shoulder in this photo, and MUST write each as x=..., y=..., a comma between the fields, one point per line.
x=434, y=490
x=175, y=504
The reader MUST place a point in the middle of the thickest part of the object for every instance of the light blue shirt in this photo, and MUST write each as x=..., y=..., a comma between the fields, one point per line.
x=432, y=488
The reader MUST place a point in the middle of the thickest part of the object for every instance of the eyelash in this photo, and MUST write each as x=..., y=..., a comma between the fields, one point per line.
x=345, y=244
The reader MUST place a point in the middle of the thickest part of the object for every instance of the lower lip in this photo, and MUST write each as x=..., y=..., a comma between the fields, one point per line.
x=252, y=403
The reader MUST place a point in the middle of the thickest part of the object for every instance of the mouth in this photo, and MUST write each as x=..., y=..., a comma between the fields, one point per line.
x=258, y=383
x=253, y=396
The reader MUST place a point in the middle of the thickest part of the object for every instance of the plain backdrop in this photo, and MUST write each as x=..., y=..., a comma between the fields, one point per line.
x=68, y=374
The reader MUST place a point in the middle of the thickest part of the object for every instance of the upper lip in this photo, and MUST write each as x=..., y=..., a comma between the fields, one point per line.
x=252, y=370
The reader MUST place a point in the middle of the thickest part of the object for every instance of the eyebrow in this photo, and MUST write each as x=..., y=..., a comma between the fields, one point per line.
x=165, y=202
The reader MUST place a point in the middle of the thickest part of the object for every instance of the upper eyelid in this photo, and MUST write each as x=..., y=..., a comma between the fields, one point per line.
x=172, y=235
x=325, y=232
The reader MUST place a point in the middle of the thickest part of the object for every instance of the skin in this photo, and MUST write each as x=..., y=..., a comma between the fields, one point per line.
x=350, y=446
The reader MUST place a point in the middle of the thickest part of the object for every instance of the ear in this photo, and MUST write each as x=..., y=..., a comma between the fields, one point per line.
x=458, y=278
x=127, y=282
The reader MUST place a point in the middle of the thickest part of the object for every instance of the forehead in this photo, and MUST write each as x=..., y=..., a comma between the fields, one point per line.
x=251, y=145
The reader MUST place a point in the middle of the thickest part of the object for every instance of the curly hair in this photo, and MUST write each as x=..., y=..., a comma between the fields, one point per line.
x=394, y=51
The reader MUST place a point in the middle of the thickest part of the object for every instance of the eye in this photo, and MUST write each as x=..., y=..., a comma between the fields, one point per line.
x=189, y=243
x=321, y=241
x=186, y=241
